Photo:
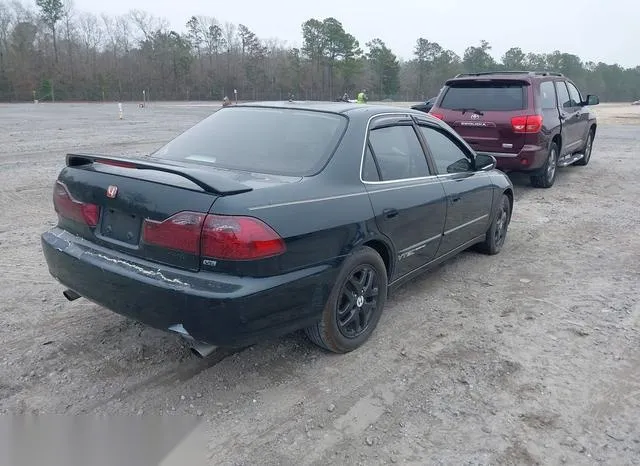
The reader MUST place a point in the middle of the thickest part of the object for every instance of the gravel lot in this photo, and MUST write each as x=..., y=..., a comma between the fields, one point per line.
x=528, y=357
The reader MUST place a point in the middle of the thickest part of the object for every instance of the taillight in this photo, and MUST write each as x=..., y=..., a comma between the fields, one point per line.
x=68, y=207
x=439, y=116
x=180, y=232
x=239, y=238
x=216, y=236
x=527, y=124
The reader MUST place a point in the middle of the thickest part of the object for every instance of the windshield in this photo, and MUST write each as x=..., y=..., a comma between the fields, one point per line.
x=487, y=96
x=260, y=139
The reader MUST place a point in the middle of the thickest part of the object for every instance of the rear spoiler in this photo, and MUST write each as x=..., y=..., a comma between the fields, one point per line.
x=208, y=180
x=504, y=80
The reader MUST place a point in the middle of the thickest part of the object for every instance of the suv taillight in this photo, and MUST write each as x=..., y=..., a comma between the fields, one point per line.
x=439, y=116
x=68, y=207
x=527, y=124
x=223, y=237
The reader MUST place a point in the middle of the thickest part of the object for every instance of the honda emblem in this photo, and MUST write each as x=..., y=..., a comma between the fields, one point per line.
x=112, y=192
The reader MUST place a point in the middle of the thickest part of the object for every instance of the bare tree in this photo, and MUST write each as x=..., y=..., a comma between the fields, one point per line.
x=69, y=26
x=91, y=38
x=107, y=57
x=6, y=19
x=51, y=12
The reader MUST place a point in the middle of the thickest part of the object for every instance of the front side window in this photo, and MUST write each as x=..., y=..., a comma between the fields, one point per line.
x=398, y=153
x=446, y=154
x=574, y=94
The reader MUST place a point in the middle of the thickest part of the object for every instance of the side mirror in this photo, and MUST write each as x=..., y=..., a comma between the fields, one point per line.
x=485, y=162
x=459, y=166
x=592, y=100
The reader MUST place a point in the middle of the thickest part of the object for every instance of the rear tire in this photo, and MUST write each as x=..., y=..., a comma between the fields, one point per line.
x=497, y=232
x=355, y=304
x=548, y=175
x=588, y=147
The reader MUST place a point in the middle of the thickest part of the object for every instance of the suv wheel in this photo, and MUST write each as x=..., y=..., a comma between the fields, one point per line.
x=548, y=174
x=587, y=151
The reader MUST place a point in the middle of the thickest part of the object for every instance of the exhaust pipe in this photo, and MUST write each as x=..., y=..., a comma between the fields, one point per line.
x=71, y=295
x=202, y=349
x=199, y=348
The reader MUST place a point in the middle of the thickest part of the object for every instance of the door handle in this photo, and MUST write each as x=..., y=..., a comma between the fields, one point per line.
x=456, y=199
x=390, y=213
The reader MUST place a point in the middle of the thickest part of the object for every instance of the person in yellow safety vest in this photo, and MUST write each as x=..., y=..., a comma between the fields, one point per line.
x=362, y=97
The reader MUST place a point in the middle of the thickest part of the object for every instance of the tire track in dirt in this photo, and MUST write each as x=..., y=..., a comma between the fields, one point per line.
x=182, y=373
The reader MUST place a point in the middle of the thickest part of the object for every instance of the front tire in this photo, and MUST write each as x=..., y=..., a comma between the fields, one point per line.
x=497, y=232
x=548, y=175
x=355, y=304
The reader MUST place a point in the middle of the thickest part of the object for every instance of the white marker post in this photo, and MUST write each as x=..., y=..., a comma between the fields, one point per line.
x=120, y=112
x=144, y=98
x=235, y=93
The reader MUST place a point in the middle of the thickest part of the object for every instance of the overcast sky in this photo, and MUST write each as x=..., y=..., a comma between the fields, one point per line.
x=597, y=30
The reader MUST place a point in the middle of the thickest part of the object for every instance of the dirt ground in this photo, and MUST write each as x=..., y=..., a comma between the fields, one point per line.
x=528, y=357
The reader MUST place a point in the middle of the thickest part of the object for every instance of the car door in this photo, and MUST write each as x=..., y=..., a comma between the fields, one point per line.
x=582, y=116
x=570, y=116
x=408, y=200
x=469, y=192
x=549, y=107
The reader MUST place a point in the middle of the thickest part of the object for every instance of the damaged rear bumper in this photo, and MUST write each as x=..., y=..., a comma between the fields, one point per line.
x=219, y=309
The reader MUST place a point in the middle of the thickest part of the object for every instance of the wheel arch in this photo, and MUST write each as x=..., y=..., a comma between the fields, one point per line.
x=509, y=193
x=384, y=249
x=557, y=138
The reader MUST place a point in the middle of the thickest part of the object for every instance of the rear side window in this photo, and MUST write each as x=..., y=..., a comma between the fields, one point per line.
x=563, y=95
x=369, y=167
x=548, y=95
x=485, y=95
x=398, y=153
x=264, y=140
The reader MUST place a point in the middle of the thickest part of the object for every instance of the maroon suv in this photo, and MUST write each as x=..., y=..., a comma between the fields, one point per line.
x=529, y=121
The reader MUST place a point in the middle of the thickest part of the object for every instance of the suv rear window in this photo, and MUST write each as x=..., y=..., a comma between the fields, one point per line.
x=485, y=95
x=260, y=139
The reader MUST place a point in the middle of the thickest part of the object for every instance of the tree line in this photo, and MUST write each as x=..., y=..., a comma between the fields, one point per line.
x=51, y=51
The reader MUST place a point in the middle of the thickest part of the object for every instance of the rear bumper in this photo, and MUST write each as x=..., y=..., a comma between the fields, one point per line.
x=530, y=158
x=218, y=309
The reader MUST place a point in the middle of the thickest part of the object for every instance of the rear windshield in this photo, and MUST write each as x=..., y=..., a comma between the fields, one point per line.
x=489, y=96
x=265, y=140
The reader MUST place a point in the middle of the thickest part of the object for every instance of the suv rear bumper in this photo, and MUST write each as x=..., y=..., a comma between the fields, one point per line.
x=214, y=308
x=530, y=158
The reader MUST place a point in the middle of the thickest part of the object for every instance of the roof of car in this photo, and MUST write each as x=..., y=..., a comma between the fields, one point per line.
x=335, y=107
x=506, y=75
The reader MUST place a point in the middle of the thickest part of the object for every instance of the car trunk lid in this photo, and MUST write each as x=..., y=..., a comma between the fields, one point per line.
x=152, y=209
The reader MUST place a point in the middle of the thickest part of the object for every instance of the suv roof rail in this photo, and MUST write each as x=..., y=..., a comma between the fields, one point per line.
x=530, y=73
x=549, y=73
